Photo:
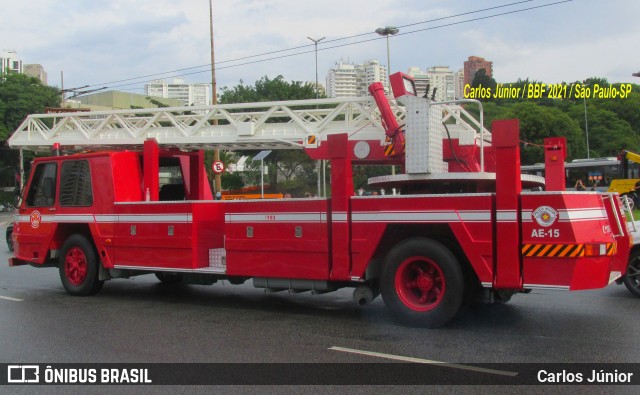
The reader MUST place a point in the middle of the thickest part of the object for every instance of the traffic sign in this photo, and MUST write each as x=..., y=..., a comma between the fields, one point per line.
x=217, y=167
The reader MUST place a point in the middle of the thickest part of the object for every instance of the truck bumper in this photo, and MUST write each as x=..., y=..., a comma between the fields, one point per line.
x=16, y=262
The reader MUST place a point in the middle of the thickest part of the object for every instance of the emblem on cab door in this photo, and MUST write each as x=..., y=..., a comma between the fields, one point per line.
x=545, y=216
x=35, y=218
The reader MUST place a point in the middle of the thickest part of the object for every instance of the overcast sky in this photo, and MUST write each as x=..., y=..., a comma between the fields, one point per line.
x=100, y=42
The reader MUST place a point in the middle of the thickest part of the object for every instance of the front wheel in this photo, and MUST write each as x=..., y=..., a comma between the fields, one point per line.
x=78, y=267
x=632, y=277
x=422, y=283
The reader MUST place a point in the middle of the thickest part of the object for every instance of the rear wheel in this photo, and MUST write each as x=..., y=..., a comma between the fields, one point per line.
x=632, y=277
x=422, y=283
x=9, y=241
x=78, y=267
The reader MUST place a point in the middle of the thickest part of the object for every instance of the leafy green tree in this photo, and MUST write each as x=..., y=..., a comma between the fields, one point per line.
x=294, y=165
x=21, y=95
x=614, y=123
x=481, y=79
x=627, y=109
x=539, y=122
x=608, y=134
x=156, y=102
x=267, y=89
x=230, y=181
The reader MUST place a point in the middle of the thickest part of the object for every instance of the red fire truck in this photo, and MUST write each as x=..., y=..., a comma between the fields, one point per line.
x=446, y=231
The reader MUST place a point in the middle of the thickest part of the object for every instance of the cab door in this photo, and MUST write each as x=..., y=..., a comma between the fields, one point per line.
x=36, y=225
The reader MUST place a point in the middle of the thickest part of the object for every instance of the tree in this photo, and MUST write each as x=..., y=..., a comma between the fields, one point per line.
x=614, y=123
x=292, y=164
x=539, y=122
x=608, y=134
x=267, y=89
x=625, y=109
x=481, y=79
x=21, y=95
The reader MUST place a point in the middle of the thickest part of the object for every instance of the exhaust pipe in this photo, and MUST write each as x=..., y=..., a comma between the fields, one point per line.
x=363, y=295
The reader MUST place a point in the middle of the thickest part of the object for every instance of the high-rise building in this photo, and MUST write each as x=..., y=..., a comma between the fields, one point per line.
x=472, y=65
x=9, y=62
x=373, y=72
x=459, y=83
x=353, y=80
x=420, y=79
x=188, y=94
x=440, y=78
x=36, y=70
x=342, y=80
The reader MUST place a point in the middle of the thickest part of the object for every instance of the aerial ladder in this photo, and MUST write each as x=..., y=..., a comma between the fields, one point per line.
x=301, y=124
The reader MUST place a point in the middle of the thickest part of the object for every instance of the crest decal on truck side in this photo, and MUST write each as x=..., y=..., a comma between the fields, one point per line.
x=545, y=216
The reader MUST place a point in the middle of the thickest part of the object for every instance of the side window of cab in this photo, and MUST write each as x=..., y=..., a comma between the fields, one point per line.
x=75, y=184
x=42, y=191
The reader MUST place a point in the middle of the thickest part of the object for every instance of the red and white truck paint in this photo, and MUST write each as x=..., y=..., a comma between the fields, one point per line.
x=444, y=238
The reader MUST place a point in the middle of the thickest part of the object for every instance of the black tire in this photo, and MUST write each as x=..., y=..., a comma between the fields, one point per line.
x=628, y=197
x=636, y=199
x=78, y=266
x=169, y=278
x=422, y=283
x=632, y=277
x=9, y=242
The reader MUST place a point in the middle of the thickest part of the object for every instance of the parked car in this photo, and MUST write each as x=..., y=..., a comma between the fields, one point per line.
x=631, y=279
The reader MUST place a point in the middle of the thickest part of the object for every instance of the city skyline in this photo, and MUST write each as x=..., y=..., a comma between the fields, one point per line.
x=346, y=73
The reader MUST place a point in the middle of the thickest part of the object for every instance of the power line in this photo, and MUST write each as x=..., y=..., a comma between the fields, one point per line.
x=325, y=47
x=307, y=45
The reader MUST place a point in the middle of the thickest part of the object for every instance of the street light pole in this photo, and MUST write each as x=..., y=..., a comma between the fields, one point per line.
x=321, y=163
x=586, y=121
x=315, y=43
x=388, y=31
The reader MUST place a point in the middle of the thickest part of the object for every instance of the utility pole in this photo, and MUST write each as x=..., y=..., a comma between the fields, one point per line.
x=216, y=152
x=321, y=163
x=586, y=121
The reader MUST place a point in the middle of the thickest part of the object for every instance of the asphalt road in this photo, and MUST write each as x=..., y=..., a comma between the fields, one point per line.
x=139, y=320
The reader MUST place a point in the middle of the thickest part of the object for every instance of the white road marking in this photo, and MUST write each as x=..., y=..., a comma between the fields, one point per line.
x=426, y=361
x=10, y=298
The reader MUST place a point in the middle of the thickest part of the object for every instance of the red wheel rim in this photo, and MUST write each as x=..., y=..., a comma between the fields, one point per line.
x=420, y=283
x=75, y=266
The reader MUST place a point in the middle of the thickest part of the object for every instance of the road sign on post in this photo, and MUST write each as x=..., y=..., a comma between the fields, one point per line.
x=261, y=155
x=217, y=167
